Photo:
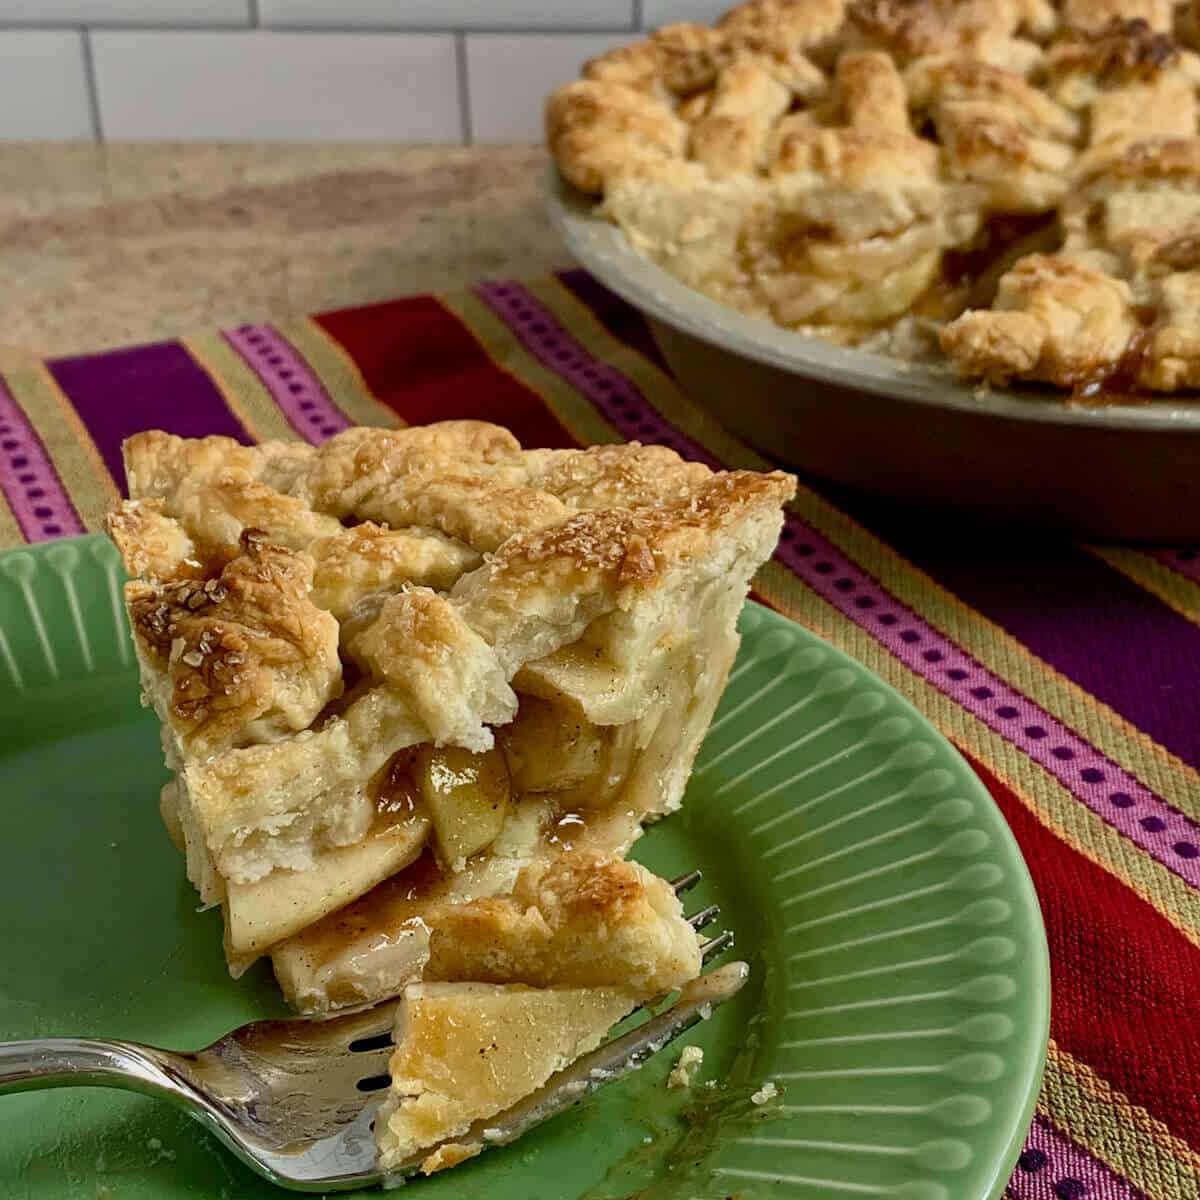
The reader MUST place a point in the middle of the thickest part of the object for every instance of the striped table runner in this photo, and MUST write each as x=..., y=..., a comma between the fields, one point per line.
x=1068, y=675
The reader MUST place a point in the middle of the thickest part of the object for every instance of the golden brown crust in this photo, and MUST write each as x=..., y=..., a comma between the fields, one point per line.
x=598, y=130
x=938, y=83
x=1177, y=158
x=614, y=476
x=241, y=647
x=1054, y=320
x=153, y=545
x=984, y=29
x=1118, y=52
x=581, y=920
x=681, y=58
x=1093, y=15
x=872, y=92
x=370, y=558
x=732, y=136
x=633, y=547
x=802, y=23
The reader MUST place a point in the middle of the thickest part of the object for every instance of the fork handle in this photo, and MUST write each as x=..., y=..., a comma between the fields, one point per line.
x=83, y=1062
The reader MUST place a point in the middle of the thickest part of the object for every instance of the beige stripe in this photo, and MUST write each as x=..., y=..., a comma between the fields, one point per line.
x=1041, y=792
x=92, y=489
x=245, y=394
x=1123, y=1134
x=338, y=372
x=10, y=531
x=1174, y=590
x=1002, y=654
x=502, y=346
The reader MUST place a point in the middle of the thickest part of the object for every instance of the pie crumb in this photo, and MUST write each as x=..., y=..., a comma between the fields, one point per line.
x=689, y=1060
x=449, y=1154
x=767, y=1092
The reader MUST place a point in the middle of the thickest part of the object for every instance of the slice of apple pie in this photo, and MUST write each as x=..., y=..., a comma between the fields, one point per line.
x=419, y=691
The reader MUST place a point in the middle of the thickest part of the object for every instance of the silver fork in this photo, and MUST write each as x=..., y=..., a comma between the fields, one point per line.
x=296, y=1100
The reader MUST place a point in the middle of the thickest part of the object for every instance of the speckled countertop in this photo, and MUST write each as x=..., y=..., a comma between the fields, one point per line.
x=111, y=245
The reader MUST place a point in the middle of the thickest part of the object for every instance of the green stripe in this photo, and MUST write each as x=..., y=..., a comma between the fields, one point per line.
x=246, y=395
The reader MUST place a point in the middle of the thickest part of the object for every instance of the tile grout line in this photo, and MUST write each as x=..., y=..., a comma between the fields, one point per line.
x=464, y=89
x=639, y=14
x=255, y=17
x=89, y=76
x=35, y=26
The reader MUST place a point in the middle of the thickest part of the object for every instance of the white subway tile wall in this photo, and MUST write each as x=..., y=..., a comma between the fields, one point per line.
x=126, y=12
x=302, y=70
x=450, y=14
x=664, y=12
x=510, y=74
x=43, y=87
x=295, y=87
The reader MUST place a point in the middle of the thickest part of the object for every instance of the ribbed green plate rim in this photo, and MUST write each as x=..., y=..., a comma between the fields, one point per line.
x=900, y=986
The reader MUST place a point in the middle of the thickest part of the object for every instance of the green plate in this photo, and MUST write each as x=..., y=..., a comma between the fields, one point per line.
x=899, y=992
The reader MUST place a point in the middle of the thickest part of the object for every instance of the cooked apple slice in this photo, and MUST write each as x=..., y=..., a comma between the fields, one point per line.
x=467, y=796
x=262, y=913
x=554, y=750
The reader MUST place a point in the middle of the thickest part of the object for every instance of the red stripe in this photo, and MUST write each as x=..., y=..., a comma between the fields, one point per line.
x=425, y=364
x=1126, y=983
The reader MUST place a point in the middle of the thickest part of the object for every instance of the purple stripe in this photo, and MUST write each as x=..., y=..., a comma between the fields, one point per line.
x=293, y=384
x=1184, y=562
x=149, y=387
x=1112, y=637
x=622, y=320
x=30, y=483
x=1053, y=1167
x=613, y=395
x=1119, y=799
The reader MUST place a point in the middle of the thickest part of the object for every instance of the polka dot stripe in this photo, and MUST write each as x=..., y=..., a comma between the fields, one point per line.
x=1090, y=775
x=293, y=384
x=29, y=480
x=1054, y=1167
x=1118, y=798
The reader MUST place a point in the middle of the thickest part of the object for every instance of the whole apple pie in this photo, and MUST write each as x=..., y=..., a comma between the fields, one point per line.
x=1012, y=185
x=419, y=690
